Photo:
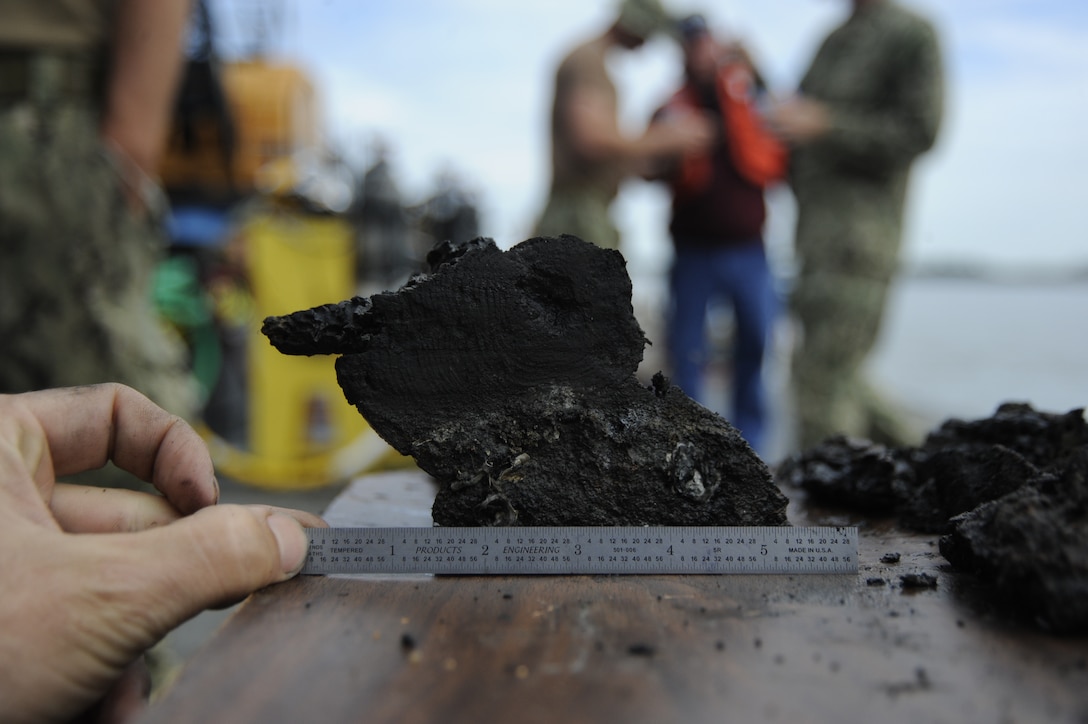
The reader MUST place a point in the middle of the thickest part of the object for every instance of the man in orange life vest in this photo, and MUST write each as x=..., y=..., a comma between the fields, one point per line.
x=717, y=227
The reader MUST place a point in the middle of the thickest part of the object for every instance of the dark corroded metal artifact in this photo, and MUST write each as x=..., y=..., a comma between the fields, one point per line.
x=510, y=378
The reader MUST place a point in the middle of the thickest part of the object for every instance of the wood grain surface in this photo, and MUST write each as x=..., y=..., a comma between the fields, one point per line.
x=842, y=648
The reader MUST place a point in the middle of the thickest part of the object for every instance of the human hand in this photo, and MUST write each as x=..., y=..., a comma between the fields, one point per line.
x=683, y=132
x=798, y=120
x=697, y=132
x=92, y=578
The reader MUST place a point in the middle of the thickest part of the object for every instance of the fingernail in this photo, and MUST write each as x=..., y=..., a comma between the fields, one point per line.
x=292, y=541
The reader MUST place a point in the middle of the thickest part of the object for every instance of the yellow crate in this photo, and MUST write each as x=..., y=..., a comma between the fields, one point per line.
x=275, y=114
x=302, y=432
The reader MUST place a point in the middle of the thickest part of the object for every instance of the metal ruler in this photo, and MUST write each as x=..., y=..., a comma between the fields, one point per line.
x=557, y=550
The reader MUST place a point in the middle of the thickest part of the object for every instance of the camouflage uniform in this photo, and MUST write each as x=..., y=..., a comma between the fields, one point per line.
x=75, y=261
x=880, y=75
x=582, y=188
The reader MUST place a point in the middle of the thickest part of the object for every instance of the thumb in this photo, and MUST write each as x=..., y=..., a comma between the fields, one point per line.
x=104, y=598
x=219, y=555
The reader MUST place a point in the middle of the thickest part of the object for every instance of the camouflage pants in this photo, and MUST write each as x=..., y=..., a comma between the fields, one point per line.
x=76, y=265
x=582, y=214
x=839, y=299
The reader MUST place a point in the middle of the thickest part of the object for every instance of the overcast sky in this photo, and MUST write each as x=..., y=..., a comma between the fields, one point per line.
x=466, y=84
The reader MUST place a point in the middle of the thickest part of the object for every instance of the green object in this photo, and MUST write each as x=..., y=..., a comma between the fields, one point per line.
x=181, y=300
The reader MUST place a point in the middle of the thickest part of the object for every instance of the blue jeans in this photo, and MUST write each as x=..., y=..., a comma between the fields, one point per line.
x=737, y=274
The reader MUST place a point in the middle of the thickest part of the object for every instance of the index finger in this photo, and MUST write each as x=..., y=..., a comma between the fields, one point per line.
x=87, y=426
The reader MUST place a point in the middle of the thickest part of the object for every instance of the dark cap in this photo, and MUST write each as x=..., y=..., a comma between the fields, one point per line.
x=691, y=27
x=644, y=18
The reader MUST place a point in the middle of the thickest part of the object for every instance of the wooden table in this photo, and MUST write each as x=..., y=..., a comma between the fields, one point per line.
x=570, y=649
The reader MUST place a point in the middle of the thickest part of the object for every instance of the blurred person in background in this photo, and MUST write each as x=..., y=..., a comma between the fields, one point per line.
x=590, y=155
x=716, y=225
x=450, y=213
x=383, y=251
x=869, y=105
x=87, y=89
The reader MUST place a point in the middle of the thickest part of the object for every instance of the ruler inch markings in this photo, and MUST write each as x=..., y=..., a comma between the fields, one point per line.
x=573, y=550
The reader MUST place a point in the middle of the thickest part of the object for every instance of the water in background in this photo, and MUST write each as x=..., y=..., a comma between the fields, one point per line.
x=960, y=347
x=950, y=347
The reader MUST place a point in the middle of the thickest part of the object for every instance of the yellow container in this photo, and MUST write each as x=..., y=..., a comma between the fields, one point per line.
x=274, y=110
x=302, y=432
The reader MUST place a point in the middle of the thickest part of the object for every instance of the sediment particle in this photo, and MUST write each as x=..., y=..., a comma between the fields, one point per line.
x=918, y=580
x=510, y=378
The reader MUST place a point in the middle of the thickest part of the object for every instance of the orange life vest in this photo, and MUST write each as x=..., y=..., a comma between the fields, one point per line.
x=759, y=157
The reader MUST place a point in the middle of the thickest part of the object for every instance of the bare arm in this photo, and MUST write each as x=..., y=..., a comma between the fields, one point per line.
x=596, y=133
x=146, y=67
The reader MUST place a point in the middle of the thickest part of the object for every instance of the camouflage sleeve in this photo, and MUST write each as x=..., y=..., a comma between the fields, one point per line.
x=897, y=132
